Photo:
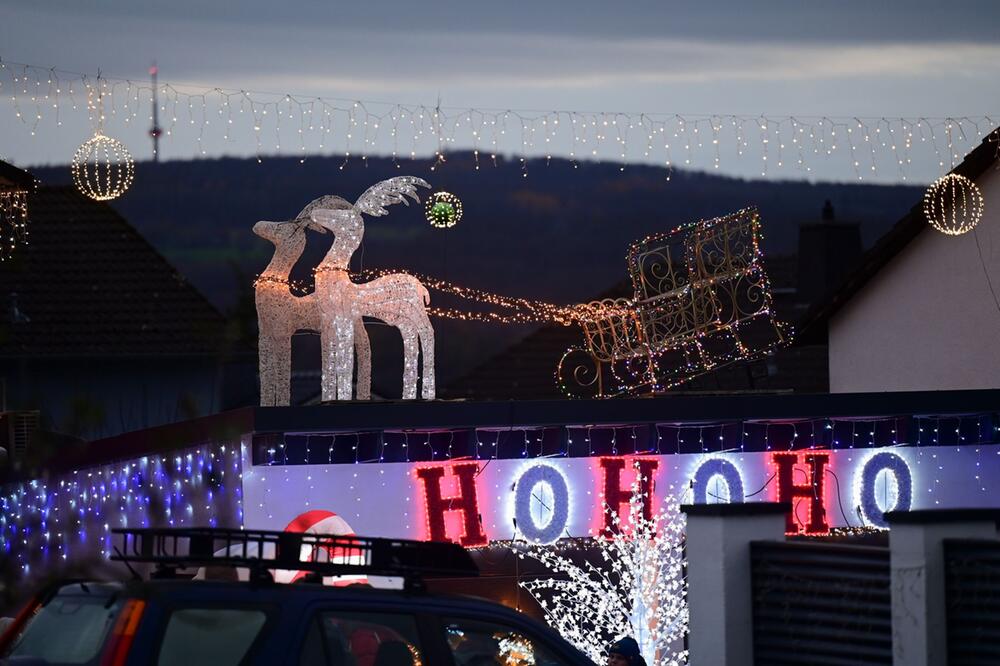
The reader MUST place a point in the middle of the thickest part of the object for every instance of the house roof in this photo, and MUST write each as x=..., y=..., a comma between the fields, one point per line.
x=88, y=285
x=11, y=176
x=814, y=325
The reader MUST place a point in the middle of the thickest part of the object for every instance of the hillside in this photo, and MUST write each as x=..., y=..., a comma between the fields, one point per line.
x=559, y=234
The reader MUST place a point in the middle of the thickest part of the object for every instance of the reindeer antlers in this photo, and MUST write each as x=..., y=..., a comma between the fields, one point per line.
x=388, y=192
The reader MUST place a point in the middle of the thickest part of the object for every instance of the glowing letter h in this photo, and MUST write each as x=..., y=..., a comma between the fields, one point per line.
x=465, y=501
x=813, y=490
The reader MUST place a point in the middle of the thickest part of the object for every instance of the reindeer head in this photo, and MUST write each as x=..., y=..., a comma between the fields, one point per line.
x=277, y=232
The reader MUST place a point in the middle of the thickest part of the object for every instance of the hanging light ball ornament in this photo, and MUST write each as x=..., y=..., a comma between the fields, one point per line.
x=443, y=210
x=953, y=204
x=103, y=168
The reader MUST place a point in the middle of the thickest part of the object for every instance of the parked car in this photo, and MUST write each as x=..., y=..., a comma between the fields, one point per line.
x=170, y=620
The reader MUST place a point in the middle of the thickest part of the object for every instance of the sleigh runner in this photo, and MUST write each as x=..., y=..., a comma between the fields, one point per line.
x=701, y=300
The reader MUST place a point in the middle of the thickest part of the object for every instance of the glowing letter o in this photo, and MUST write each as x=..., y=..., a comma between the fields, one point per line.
x=553, y=529
x=723, y=468
x=890, y=462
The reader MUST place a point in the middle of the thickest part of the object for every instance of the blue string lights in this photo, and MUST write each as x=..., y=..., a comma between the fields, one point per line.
x=43, y=522
x=571, y=441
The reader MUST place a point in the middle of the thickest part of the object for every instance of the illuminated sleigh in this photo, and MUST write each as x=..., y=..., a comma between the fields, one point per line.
x=701, y=300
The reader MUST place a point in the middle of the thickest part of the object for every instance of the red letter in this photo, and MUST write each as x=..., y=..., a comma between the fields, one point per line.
x=615, y=497
x=813, y=490
x=465, y=501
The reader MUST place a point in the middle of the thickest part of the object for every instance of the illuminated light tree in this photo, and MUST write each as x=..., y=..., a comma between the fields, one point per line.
x=637, y=589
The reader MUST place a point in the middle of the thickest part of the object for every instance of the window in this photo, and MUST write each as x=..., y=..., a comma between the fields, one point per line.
x=209, y=636
x=478, y=643
x=342, y=638
x=69, y=629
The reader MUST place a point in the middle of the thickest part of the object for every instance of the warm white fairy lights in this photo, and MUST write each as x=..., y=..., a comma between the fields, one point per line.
x=953, y=204
x=103, y=168
x=701, y=300
x=443, y=210
x=638, y=589
x=303, y=124
x=13, y=221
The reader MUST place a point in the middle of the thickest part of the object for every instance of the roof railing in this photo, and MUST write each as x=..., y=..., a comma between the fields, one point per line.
x=262, y=552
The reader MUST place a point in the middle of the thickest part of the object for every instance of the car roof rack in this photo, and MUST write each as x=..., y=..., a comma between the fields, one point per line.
x=170, y=549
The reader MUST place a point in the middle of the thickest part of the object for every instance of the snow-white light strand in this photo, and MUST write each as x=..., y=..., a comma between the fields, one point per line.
x=303, y=124
x=637, y=590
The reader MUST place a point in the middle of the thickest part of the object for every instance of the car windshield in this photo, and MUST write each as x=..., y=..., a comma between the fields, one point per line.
x=70, y=628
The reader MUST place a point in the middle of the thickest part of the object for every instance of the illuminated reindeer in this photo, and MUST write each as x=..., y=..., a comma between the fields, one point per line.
x=280, y=313
x=399, y=300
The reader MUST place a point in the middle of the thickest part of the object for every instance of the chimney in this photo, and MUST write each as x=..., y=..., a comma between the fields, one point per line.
x=17, y=428
x=828, y=251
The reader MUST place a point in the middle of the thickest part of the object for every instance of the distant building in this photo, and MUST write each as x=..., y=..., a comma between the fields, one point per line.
x=99, y=333
x=922, y=311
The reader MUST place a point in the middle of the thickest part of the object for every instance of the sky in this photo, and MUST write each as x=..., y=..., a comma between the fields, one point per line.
x=845, y=59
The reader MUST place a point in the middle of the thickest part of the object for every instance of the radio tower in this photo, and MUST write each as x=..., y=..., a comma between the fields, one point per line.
x=155, y=131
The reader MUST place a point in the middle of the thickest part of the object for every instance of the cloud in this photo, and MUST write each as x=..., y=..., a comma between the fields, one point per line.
x=358, y=58
x=579, y=63
x=834, y=61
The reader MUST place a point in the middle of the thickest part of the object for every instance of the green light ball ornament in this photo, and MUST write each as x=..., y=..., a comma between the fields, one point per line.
x=442, y=213
x=443, y=210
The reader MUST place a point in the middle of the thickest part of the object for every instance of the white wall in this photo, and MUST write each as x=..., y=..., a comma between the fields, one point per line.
x=927, y=320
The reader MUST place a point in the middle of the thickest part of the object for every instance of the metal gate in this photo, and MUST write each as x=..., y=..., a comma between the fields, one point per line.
x=820, y=604
x=972, y=600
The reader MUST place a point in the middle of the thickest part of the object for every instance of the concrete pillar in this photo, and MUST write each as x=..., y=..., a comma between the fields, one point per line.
x=917, y=565
x=718, y=571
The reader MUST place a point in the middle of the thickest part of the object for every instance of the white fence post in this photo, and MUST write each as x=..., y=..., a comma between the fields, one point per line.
x=718, y=571
x=918, y=587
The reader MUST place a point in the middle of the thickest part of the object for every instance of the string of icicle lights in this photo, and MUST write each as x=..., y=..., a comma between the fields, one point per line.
x=504, y=309
x=280, y=123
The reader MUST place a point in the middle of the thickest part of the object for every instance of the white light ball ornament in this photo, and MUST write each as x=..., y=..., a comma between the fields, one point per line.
x=953, y=204
x=103, y=168
x=443, y=210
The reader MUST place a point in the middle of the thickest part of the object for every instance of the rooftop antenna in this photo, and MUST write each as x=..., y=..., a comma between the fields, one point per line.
x=155, y=131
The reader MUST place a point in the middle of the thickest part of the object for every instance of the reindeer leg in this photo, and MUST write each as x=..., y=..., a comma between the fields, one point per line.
x=410, y=339
x=427, y=380
x=282, y=369
x=364, y=351
x=266, y=360
x=345, y=358
x=328, y=362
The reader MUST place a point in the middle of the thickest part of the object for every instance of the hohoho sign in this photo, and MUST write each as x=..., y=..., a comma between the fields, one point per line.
x=473, y=502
